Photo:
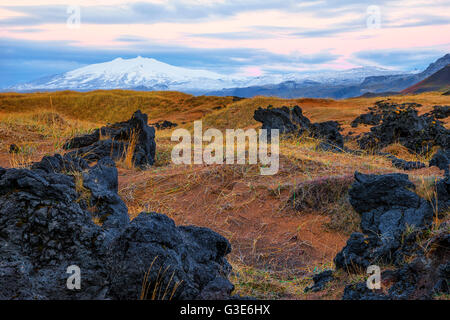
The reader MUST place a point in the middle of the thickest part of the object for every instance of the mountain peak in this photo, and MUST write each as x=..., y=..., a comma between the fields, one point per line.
x=436, y=66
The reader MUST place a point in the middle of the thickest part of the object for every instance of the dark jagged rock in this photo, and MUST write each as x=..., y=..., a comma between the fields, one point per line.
x=359, y=291
x=43, y=227
x=402, y=164
x=328, y=131
x=61, y=212
x=154, y=240
x=60, y=164
x=403, y=124
x=355, y=256
x=440, y=112
x=423, y=278
x=441, y=159
x=370, y=118
x=442, y=285
x=164, y=125
x=378, y=111
x=388, y=209
x=442, y=201
x=320, y=281
x=370, y=192
x=102, y=182
x=284, y=119
x=119, y=137
x=393, y=218
x=406, y=165
x=293, y=121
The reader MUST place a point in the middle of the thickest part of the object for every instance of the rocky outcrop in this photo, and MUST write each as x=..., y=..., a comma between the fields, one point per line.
x=388, y=209
x=370, y=118
x=440, y=112
x=165, y=124
x=284, y=119
x=405, y=165
x=329, y=132
x=320, y=281
x=184, y=262
x=401, y=123
x=442, y=201
x=423, y=278
x=359, y=291
x=116, y=140
x=441, y=159
x=393, y=218
x=378, y=111
x=294, y=122
x=61, y=212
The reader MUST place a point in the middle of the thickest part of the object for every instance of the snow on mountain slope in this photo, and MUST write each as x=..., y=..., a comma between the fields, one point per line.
x=138, y=70
x=131, y=73
x=151, y=74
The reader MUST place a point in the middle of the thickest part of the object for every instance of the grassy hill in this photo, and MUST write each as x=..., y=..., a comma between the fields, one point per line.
x=113, y=105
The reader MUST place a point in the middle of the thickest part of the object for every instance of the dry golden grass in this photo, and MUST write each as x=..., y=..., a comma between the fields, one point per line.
x=113, y=105
x=127, y=158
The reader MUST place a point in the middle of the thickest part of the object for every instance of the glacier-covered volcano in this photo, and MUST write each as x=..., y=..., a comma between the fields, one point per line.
x=144, y=73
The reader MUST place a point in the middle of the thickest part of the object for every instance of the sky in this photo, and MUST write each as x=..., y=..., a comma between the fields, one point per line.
x=247, y=37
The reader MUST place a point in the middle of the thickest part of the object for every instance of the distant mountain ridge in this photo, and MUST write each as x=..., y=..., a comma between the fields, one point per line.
x=402, y=81
x=149, y=74
x=370, y=86
x=438, y=81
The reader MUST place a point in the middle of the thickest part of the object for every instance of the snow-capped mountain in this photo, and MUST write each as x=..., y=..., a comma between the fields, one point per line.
x=130, y=73
x=151, y=74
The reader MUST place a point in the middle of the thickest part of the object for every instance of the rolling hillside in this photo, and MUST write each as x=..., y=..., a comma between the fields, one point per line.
x=439, y=81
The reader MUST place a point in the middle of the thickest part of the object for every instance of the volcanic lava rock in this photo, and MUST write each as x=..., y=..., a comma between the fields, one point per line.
x=393, y=218
x=60, y=164
x=356, y=255
x=61, y=213
x=402, y=123
x=441, y=159
x=359, y=291
x=442, y=201
x=293, y=121
x=161, y=125
x=423, y=278
x=380, y=109
x=370, y=118
x=43, y=231
x=406, y=165
x=440, y=112
x=320, y=281
x=189, y=257
x=388, y=209
x=329, y=131
x=115, y=140
x=284, y=119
